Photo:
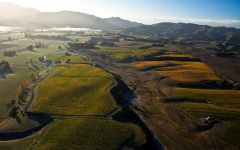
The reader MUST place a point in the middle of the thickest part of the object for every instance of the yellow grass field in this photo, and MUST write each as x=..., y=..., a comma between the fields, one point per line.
x=78, y=89
x=124, y=54
x=180, y=71
x=89, y=134
x=224, y=98
x=176, y=55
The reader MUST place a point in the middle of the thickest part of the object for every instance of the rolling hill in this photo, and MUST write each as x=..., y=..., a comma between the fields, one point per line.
x=14, y=15
x=121, y=23
x=184, y=32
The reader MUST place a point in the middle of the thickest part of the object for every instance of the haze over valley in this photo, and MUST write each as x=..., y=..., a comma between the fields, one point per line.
x=117, y=75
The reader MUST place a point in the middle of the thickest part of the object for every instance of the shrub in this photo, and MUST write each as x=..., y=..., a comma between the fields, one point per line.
x=4, y=67
x=9, y=53
x=30, y=48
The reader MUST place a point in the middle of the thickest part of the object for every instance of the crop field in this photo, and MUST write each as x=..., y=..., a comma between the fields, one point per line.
x=21, y=144
x=179, y=71
x=6, y=46
x=18, y=64
x=177, y=55
x=78, y=89
x=16, y=45
x=90, y=134
x=74, y=59
x=125, y=54
x=14, y=36
x=223, y=105
x=224, y=98
x=133, y=44
x=220, y=104
x=24, y=42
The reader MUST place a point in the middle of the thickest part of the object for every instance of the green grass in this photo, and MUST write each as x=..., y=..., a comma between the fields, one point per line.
x=80, y=70
x=78, y=89
x=124, y=54
x=22, y=144
x=228, y=130
x=62, y=58
x=224, y=98
x=9, y=85
x=224, y=105
x=176, y=55
x=86, y=134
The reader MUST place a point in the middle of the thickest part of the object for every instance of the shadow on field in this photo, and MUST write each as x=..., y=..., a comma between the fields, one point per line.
x=124, y=96
x=43, y=120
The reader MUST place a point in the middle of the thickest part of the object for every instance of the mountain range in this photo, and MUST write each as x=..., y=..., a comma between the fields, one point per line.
x=14, y=15
x=185, y=32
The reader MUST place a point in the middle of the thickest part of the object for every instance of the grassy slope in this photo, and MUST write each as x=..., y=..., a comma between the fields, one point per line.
x=22, y=144
x=224, y=105
x=124, y=54
x=62, y=58
x=89, y=134
x=75, y=90
x=9, y=85
x=225, y=98
x=180, y=71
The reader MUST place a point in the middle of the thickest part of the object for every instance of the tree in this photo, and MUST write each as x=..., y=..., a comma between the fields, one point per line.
x=4, y=67
x=14, y=112
x=30, y=48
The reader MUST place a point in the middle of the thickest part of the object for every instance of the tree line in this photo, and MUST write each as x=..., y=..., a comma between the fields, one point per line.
x=4, y=67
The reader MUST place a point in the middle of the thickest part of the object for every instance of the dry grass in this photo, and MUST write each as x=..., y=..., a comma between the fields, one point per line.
x=180, y=71
x=223, y=105
x=224, y=98
x=125, y=54
x=175, y=55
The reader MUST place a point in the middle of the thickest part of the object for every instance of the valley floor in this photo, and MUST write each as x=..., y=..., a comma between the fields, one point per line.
x=131, y=98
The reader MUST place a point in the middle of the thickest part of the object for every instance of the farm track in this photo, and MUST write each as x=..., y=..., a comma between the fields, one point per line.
x=45, y=119
x=27, y=133
x=48, y=119
x=122, y=74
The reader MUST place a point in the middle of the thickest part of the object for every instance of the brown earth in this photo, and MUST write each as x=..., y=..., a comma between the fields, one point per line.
x=228, y=67
x=169, y=124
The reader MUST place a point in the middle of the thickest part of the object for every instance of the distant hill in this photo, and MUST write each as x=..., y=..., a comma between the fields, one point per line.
x=14, y=15
x=184, y=32
x=121, y=23
x=11, y=11
x=72, y=19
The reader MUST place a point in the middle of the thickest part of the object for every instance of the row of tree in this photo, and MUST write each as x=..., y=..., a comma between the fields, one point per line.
x=41, y=45
x=77, y=45
x=24, y=90
x=47, y=37
x=9, y=53
x=4, y=67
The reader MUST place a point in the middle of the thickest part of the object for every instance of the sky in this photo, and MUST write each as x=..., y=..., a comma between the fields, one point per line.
x=212, y=12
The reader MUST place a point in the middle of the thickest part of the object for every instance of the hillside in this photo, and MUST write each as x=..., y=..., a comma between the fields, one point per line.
x=14, y=15
x=121, y=23
x=184, y=32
